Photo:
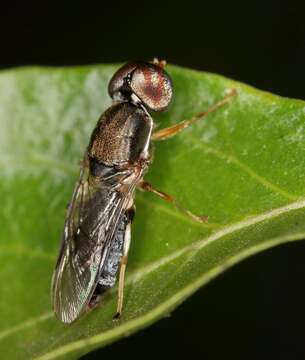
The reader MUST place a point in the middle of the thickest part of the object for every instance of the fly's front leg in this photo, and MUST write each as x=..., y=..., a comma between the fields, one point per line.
x=146, y=186
x=123, y=263
x=171, y=131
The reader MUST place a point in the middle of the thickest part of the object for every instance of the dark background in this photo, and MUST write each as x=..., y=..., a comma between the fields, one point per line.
x=256, y=309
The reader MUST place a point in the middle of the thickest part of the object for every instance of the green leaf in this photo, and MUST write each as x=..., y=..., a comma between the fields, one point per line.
x=242, y=165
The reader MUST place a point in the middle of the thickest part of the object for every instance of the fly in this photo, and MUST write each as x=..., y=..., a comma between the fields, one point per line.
x=97, y=229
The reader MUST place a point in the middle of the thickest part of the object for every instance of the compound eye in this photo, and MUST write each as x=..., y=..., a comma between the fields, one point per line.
x=117, y=84
x=151, y=84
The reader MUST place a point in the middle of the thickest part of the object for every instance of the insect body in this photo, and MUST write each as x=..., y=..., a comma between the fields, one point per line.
x=97, y=230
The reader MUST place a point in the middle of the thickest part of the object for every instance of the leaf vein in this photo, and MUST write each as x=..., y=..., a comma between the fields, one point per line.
x=138, y=274
x=171, y=302
x=248, y=170
x=26, y=324
x=25, y=251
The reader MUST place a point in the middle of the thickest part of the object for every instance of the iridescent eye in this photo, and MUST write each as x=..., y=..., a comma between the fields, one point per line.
x=151, y=84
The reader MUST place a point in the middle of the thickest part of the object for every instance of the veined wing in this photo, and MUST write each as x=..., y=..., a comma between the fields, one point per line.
x=93, y=216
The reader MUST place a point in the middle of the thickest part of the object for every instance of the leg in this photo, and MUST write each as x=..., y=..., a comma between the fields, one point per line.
x=173, y=130
x=121, y=287
x=144, y=185
x=123, y=263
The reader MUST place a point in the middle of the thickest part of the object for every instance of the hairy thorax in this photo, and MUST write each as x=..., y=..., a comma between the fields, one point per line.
x=122, y=135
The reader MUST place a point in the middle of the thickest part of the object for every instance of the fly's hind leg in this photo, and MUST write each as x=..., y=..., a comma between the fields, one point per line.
x=171, y=131
x=123, y=262
x=146, y=186
x=123, y=265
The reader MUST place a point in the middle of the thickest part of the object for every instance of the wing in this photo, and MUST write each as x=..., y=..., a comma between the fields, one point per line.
x=92, y=219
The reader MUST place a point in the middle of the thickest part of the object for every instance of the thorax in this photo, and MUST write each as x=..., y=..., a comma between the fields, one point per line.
x=122, y=136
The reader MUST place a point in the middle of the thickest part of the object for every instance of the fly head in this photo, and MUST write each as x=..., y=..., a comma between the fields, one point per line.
x=149, y=82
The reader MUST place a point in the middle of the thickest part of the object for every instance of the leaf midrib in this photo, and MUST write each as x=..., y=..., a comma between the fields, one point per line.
x=131, y=326
x=195, y=247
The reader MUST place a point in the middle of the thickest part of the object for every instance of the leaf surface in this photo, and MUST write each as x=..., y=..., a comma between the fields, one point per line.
x=242, y=165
